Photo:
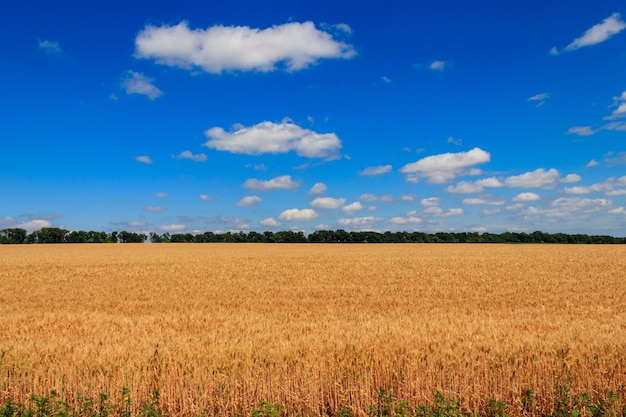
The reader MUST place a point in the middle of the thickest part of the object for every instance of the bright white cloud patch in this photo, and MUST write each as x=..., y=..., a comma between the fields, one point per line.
x=599, y=33
x=522, y=197
x=430, y=202
x=383, y=169
x=268, y=137
x=194, y=157
x=144, y=159
x=318, y=188
x=297, y=215
x=438, y=65
x=580, y=131
x=292, y=46
x=539, y=178
x=570, y=178
x=138, y=83
x=269, y=222
x=328, y=202
x=352, y=208
x=249, y=201
x=445, y=167
x=283, y=182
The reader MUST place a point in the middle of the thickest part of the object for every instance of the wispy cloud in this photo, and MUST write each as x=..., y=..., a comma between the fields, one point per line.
x=539, y=99
x=378, y=170
x=154, y=209
x=292, y=46
x=598, y=33
x=201, y=157
x=144, y=159
x=274, y=138
x=137, y=83
x=539, y=178
x=50, y=47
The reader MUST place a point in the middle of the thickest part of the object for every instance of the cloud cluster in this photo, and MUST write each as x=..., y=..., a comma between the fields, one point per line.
x=446, y=167
x=292, y=46
x=298, y=215
x=274, y=138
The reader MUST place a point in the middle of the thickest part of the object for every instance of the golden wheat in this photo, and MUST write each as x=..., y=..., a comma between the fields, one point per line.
x=316, y=328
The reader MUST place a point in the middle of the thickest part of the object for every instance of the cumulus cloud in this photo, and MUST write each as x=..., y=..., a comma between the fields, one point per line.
x=570, y=178
x=138, y=83
x=154, y=209
x=523, y=197
x=269, y=137
x=539, y=178
x=206, y=197
x=284, y=182
x=592, y=163
x=383, y=169
x=144, y=159
x=435, y=211
x=618, y=210
x=269, y=222
x=409, y=218
x=482, y=201
x=352, y=208
x=445, y=167
x=172, y=227
x=298, y=215
x=408, y=197
x=194, y=157
x=359, y=221
x=292, y=46
x=30, y=226
x=430, y=202
x=50, y=47
x=318, y=188
x=328, y=202
x=599, y=33
x=249, y=200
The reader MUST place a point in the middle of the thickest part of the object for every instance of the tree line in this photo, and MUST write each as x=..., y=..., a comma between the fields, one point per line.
x=59, y=235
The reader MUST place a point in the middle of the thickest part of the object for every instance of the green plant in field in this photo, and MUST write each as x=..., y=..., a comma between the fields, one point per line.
x=344, y=412
x=153, y=407
x=267, y=410
x=387, y=405
x=495, y=408
x=528, y=402
x=442, y=407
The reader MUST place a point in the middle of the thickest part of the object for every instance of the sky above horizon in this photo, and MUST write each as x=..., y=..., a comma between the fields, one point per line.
x=237, y=116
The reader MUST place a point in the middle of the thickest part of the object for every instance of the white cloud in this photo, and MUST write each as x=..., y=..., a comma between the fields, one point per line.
x=283, y=182
x=386, y=79
x=296, y=215
x=367, y=197
x=439, y=65
x=270, y=222
x=206, y=197
x=580, y=131
x=457, y=142
x=577, y=190
x=570, y=178
x=439, y=212
x=161, y=195
x=154, y=209
x=408, y=197
x=599, y=33
x=539, y=178
x=621, y=181
x=359, y=221
x=618, y=210
x=249, y=200
x=445, y=167
x=592, y=163
x=138, y=83
x=144, y=159
x=408, y=219
x=172, y=227
x=490, y=212
x=464, y=187
x=352, y=208
x=50, y=47
x=194, y=157
x=482, y=201
x=522, y=197
x=29, y=226
x=328, y=202
x=318, y=188
x=383, y=169
x=268, y=137
x=430, y=202
x=292, y=46
x=540, y=99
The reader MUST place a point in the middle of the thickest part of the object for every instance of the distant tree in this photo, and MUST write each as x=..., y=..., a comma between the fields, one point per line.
x=13, y=236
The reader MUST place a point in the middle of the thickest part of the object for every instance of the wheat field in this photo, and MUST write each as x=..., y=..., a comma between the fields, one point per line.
x=218, y=328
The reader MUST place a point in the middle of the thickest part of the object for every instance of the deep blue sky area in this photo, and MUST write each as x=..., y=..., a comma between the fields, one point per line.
x=201, y=116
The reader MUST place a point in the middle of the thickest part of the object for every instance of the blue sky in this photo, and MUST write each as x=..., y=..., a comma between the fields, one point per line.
x=223, y=116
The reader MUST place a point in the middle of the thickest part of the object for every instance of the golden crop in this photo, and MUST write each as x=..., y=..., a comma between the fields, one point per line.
x=316, y=328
